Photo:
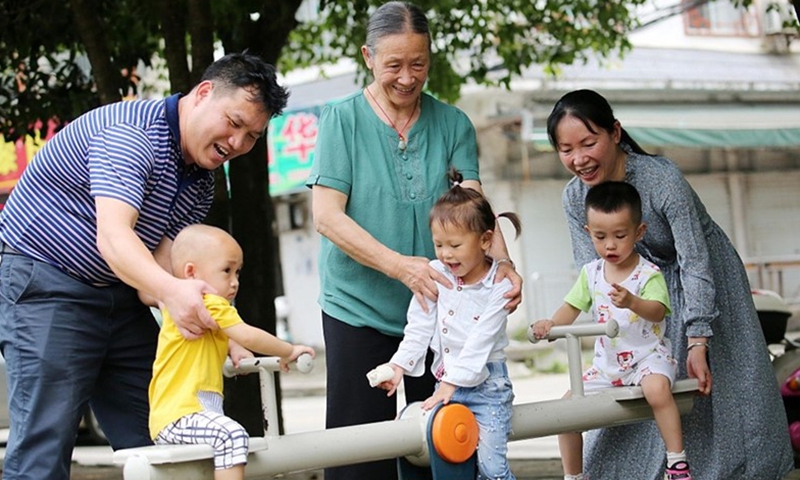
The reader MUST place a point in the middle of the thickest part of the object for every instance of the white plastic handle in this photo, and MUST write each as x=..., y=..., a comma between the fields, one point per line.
x=609, y=329
x=304, y=364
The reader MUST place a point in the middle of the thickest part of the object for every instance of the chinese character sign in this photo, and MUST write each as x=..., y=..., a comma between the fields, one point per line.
x=292, y=137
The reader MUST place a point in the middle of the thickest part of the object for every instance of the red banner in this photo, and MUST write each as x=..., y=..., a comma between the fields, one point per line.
x=15, y=156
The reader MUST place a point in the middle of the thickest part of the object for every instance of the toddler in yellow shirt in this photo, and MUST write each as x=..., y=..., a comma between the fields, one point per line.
x=186, y=389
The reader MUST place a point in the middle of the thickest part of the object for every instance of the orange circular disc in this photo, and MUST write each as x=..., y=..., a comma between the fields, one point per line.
x=455, y=433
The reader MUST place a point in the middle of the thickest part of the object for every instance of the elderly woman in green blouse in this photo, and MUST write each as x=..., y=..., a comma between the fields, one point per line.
x=381, y=162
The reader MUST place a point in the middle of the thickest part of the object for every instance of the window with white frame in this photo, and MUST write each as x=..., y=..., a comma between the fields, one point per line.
x=719, y=18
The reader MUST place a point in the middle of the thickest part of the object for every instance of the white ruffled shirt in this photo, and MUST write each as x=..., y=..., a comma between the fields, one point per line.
x=465, y=328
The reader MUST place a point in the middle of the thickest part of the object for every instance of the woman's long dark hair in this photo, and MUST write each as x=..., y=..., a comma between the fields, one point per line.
x=591, y=108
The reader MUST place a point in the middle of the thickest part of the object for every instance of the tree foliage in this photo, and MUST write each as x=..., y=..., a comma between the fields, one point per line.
x=70, y=53
x=485, y=41
x=52, y=51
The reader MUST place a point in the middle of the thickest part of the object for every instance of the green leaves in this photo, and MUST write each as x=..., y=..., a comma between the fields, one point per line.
x=49, y=74
x=487, y=41
x=484, y=41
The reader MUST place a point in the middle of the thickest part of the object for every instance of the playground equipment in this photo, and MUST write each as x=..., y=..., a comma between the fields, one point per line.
x=606, y=408
x=456, y=435
x=443, y=438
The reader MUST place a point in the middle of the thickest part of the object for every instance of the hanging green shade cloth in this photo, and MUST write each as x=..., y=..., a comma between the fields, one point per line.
x=741, y=138
x=741, y=126
x=708, y=125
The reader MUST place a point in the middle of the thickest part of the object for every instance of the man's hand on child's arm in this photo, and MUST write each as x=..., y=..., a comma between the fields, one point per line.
x=442, y=394
x=184, y=302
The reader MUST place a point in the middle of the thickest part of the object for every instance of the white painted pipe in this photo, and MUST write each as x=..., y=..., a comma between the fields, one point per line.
x=607, y=408
x=266, y=366
x=592, y=329
x=573, y=333
x=305, y=451
x=406, y=437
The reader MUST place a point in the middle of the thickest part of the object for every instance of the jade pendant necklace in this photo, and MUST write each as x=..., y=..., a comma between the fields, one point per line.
x=401, y=143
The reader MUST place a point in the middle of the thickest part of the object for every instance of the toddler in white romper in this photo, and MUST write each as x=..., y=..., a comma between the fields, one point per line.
x=640, y=347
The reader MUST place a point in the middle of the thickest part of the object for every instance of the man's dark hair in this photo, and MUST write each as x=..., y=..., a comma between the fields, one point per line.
x=610, y=197
x=243, y=70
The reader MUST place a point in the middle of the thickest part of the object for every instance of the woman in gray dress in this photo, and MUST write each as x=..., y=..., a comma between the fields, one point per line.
x=738, y=429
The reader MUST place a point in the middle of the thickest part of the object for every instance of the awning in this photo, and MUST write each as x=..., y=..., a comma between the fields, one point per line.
x=743, y=126
x=708, y=126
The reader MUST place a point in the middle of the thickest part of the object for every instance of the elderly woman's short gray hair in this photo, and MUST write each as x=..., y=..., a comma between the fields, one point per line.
x=395, y=17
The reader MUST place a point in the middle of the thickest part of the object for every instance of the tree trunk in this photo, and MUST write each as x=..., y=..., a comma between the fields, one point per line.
x=201, y=30
x=253, y=216
x=252, y=219
x=173, y=28
x=277, y=19
x=220, y=213
x=106, y=77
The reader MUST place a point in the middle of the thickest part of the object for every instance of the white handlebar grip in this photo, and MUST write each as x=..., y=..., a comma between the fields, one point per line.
x=612, y=328
x=305, y=363
x=380, y=374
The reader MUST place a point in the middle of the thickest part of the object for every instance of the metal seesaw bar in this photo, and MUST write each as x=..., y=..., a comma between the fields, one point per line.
x=604, y=408
x=276, y=454
x=406, y=437
x=297, y=452
x=572, y=334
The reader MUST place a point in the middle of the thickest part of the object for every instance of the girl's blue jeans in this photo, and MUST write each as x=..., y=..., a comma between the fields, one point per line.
x=490, y=402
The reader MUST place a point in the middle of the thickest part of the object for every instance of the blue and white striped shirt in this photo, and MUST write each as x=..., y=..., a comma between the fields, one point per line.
x=129, y=151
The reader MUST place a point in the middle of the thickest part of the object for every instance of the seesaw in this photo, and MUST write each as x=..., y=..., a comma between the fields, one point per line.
x=443, y=439
x=606, y=408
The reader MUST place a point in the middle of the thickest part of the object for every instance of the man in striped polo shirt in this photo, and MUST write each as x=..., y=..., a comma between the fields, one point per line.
x=88, y=226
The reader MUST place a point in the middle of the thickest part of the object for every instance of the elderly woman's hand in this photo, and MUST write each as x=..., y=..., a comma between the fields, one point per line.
x=417, y=274
x=506, y=270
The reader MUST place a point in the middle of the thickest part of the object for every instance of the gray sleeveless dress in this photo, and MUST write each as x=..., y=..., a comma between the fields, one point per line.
x=739, y=432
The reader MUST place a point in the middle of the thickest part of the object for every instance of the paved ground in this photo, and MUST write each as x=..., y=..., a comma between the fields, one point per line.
x=523, y=469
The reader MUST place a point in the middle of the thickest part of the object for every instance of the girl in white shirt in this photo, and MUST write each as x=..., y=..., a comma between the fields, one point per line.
x=466, y=327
